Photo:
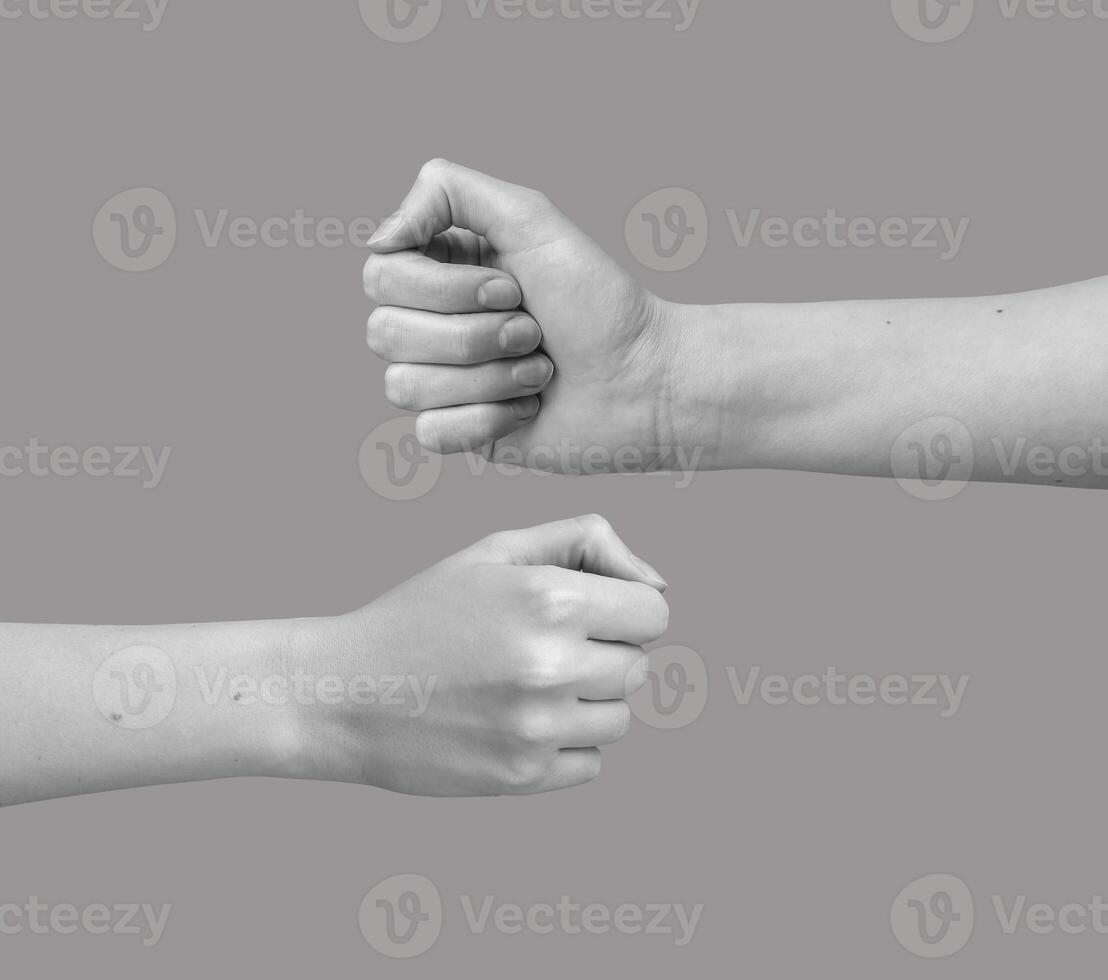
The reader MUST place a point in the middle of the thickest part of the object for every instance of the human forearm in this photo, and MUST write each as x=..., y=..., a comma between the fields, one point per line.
x=86, y=709
x=833, y=386
x=500, y=670
x=995, y=388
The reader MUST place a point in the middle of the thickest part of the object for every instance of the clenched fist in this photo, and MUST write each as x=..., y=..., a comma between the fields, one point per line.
x=509, y=328
x=529, y=642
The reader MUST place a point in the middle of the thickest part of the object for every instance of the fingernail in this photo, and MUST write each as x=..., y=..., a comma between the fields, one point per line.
x=651, y=572
x=533, y=372
x=390, y=227
x=525, y=408
x=499, y=294
x=520, y=336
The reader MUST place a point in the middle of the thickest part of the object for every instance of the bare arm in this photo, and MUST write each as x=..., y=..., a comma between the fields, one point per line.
x=501, y=670
x=1000, y=388
x=1010, y=388
x=86, y=709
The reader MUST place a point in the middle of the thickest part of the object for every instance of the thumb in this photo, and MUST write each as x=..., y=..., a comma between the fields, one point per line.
x=586, y=544
x=447, y=195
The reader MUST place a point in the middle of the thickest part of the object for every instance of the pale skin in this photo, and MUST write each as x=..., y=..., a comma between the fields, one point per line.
x=517, y=655
x=594, y=361
x=511, y=331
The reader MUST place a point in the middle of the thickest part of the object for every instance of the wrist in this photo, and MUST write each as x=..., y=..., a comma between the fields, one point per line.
x=197, y=702
x=746, y=382
x=701, y=420
x=147, y=705
x=339, y=686
x=241, y=694
x=304, y=662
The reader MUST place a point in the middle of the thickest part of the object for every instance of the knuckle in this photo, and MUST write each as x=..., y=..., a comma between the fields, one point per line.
x=435, y=167
x=596, y=524
x=464, y=343
x=499, y=540
x=534, y=201
x=554, y=606
x=498, y=543
x=523, y=777
x=441, y=287
x=533, y=729
x=536, y=209
x=538, y=671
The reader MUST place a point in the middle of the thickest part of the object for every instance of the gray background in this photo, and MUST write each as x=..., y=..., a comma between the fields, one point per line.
x=796, y=827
